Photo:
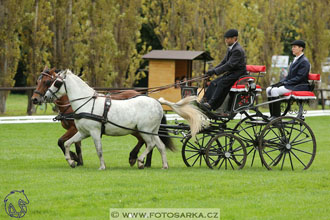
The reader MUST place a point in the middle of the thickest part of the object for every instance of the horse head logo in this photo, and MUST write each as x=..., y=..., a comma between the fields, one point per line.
x=15, y=204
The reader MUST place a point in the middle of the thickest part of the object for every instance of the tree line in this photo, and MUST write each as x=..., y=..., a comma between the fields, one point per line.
x=104, y=40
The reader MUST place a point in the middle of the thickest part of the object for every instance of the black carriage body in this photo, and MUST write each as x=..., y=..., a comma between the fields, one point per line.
x=241, y=96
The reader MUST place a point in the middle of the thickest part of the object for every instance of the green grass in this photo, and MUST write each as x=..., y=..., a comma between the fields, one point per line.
x=31, y=160
x=16, y=105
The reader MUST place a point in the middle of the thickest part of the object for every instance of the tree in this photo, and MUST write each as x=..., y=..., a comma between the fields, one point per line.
x=127, y=35
x=9, y=45
x=182, y=25
x=178, y=25
x=275, y=19
x=106, y=33
x=35, y=40
x=314, y=28
x=62, y=38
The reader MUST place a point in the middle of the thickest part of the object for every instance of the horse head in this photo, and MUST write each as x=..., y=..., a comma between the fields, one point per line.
x=44, y=81
x=56, y=89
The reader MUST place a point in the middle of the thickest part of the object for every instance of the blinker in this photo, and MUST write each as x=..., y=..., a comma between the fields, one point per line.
x=48, y=83
x=58, y=84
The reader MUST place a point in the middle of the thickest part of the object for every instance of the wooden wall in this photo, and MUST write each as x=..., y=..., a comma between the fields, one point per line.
x=163, y=72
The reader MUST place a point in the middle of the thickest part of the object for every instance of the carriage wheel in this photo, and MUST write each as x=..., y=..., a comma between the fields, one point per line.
x=287, y=142
x=226, y=151
x=193, y=149
x=249, y=130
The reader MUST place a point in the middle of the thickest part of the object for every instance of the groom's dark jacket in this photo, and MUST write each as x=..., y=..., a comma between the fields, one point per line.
x=297, y=78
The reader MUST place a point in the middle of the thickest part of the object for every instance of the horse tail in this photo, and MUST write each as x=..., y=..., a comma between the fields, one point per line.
x=189, y=112
x=166, y=140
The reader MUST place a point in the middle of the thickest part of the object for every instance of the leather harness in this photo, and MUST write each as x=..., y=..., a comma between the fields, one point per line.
x=102, y=119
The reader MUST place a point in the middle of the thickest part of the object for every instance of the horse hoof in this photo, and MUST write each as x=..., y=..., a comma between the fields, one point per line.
x=132, y=162
x=72, y=165
x=165, y=166
x=80, y=164
x=102, y=168
x=140, y=165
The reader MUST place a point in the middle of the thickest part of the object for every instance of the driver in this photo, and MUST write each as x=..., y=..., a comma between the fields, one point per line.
x=232, y=67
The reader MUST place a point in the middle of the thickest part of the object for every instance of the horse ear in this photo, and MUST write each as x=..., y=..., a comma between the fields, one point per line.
x=46, y=68
x=63, y=73
x=52, y=70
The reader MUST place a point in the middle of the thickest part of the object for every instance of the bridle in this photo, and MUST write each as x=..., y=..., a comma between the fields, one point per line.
x=57, y=84
x=48, y=82
x=59, y=81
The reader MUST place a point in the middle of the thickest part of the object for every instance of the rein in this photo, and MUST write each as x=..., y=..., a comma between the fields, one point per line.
x=103, y=119
x=160, y=88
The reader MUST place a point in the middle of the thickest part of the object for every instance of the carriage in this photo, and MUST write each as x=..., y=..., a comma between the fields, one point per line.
x=286, y=142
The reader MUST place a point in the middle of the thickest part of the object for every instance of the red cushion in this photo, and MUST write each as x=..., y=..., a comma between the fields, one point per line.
x=314, y=76
x=300, y=95
x=255, y=68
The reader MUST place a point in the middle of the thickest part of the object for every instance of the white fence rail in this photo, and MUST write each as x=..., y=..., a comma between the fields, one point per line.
x=169, y=117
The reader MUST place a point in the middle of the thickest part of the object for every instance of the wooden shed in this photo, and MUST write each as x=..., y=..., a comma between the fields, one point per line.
x=166, y=66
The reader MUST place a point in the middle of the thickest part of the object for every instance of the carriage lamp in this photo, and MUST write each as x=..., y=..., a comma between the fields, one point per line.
x=251, y=85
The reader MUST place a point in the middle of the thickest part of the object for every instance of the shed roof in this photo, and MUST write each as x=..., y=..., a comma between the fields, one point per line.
x=178, y=55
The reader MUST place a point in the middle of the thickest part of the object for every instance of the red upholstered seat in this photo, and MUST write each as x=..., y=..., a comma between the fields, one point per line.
x=314, y=76
x=304, y=95
x=300, y=95
x=255, y=68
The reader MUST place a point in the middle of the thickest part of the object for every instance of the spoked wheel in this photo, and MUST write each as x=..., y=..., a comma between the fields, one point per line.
x=193, y=149
x=248, y=130
x=287, y=143
x=226, y=151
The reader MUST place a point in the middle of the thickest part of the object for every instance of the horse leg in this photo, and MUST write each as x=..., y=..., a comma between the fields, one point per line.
x=150, y=145
x=98, y=146
x=149, y=157
x=76, y=138
x=64, y=138
x=80, y=161
x=161, y=147
x=133, y=155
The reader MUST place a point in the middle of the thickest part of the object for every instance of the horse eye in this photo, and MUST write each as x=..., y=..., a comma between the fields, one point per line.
x=48, y=83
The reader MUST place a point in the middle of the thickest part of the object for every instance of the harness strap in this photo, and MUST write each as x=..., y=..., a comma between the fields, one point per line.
x=107, y=105
x=101, y=120
x=90, y=98
x=88, y=116
x=144, y=132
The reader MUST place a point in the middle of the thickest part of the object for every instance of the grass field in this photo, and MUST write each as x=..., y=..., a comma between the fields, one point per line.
x=16, y=105
x=31, y=160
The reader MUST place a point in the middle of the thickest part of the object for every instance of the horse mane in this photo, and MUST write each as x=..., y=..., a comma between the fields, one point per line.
x=70, y=73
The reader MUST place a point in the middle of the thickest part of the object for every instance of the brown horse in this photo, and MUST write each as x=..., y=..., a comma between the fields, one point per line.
x=46, y=79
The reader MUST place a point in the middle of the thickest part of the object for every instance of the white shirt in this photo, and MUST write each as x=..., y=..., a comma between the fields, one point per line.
x=231, y=47
x=296, y=58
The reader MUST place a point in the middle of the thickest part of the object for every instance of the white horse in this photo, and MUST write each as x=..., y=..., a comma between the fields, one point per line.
x=141, y=113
